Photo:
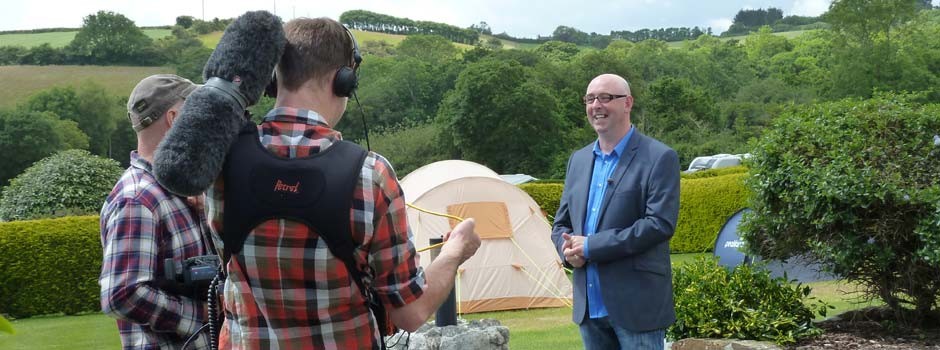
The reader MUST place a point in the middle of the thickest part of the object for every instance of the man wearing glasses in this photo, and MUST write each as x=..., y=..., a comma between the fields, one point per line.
x=617, y=214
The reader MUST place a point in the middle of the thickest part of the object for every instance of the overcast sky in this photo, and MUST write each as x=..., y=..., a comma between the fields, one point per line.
x=517, y=18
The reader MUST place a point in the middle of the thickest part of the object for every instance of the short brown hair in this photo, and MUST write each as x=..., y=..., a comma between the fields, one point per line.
x=316, y=48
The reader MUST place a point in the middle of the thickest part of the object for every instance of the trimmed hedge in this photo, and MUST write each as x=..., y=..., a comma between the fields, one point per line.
x=704, y=205
x=547, y=195
x=715, y=172
x=49, y=266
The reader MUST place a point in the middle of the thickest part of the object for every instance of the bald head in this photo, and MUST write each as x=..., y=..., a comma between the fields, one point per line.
x=612, y=81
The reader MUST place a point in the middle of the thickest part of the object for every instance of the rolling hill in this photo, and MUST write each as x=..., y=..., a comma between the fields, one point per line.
x=19, y=82
x=60, y=39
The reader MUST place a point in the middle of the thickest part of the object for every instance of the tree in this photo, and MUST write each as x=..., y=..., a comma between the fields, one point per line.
x=853, y=185
x=71, y=182
x=108, y=38
x=27, y=136
x=557, y=50
x=570, y=35
x=431, y=49
x=497, y=116
x=90, y=105
x=185, y=21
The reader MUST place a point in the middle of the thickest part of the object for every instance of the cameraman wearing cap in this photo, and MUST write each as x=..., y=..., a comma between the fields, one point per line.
x=142, y=224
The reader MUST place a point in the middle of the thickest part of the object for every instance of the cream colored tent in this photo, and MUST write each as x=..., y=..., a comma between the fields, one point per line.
x=516, y=266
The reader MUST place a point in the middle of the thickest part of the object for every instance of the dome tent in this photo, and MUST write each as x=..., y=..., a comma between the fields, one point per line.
x=516, y=266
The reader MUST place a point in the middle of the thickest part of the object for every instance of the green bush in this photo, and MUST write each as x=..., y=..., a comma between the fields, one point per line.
x=547, y=195
x=704, y=206
x=746, y=303
x=854, y=185
x=71, y=182
x=715, y=172
x=49, y=266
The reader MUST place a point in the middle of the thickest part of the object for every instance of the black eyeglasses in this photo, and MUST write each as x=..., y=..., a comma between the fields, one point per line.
x=604, y=98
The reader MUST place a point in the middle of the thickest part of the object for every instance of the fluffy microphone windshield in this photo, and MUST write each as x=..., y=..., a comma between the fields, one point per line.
x=190, y=157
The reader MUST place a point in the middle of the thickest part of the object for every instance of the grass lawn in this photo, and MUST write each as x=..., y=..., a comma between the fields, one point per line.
x=537, y=329
x=60, y=39
x=20, y=82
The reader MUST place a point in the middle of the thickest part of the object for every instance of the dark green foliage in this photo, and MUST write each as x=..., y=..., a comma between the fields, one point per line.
x=27, y=136
x=409, y=148
x=108, y=38
x=70, y=182
x=746, y=303
x=49, y=266
x=89, y=105
x=854, y=185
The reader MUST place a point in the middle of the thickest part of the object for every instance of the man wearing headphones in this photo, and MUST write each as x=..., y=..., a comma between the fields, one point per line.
x=285, y=287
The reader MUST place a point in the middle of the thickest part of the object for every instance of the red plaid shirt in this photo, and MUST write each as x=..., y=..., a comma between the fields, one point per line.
x=141, y=225
x=286, y=290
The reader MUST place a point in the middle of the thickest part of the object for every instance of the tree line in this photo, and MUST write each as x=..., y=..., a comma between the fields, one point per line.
x=519, y=111
x=377, y=22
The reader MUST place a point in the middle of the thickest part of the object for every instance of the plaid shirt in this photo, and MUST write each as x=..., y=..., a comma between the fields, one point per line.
x=285, y=289
x=141, y=225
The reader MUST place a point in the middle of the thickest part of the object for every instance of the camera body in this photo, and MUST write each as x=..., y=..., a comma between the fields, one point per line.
x=196, y=272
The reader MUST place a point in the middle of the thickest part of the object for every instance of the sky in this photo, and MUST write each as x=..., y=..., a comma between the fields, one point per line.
x=517, y=18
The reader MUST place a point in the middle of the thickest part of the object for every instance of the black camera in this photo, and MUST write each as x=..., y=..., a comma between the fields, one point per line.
x=193, y=276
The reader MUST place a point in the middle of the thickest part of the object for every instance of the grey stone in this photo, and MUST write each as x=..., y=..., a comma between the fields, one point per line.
x=722, y=344
x=484, y=334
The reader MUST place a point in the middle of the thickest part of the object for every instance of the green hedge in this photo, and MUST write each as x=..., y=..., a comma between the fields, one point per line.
x=715, y=172
x=547, y=195
x=49, y=266
x=704, y=205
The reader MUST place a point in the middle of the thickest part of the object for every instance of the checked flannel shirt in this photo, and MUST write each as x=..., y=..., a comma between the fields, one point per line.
x=285, y=289
x=141, y=225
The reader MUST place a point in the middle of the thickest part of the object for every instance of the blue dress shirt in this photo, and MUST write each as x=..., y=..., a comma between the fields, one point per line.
x=604, y=165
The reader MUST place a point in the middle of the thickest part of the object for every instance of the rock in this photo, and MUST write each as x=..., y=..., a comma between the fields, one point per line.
x=722, y=344
x=476, y=335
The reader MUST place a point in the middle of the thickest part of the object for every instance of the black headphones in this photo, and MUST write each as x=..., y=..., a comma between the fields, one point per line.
x=347, y=78
x=345, y=81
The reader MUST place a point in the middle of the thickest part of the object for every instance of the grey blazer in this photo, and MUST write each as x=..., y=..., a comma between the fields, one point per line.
x=631, y=246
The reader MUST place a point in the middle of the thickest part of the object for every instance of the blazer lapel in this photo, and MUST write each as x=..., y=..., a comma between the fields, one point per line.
x=584, y=165
x=626, y=158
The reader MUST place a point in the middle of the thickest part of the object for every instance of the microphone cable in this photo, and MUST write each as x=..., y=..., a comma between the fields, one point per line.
x=365, y=127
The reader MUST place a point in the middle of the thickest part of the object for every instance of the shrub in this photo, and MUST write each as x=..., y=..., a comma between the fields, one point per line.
x=71, y=182
x=548, y=195
x=49, y=266
x=746, y=303
x=853, y=185
x=704, y=206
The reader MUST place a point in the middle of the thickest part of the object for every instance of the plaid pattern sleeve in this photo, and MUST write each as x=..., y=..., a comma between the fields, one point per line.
x=398, y=277
x=140, y=227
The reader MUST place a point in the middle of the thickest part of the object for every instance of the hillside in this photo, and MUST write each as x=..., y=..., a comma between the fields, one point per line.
x=60, y=39
x=363, y=37
x=19, y=82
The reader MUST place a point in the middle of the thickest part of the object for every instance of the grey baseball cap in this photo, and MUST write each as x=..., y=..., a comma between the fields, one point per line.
x=153, y=96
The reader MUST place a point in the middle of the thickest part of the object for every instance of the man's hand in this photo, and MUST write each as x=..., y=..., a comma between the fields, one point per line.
x=462, y=242
x=573, y=248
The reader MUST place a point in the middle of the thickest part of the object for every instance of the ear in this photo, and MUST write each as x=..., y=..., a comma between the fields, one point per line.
x=629, y=101
x=170, y=116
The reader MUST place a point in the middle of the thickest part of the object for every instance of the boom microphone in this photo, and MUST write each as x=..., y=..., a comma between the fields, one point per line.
x=190, y=157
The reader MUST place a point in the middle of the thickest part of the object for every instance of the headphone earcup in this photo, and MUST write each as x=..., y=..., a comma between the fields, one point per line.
x=345, y=82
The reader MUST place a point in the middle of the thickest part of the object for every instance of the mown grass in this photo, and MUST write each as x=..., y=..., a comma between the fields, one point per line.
x=20, y=82
x=536, y=329
x=60, y=39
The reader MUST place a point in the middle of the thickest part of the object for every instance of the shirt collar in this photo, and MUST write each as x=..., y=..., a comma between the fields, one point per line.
x=618, y=149
x=139, y=162
x=295, y=115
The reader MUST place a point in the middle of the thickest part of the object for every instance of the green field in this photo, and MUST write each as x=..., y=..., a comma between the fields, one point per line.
x=536, y=329
x=20, y=82
x=60, y=39
x=363, y=37
x=741, y=38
